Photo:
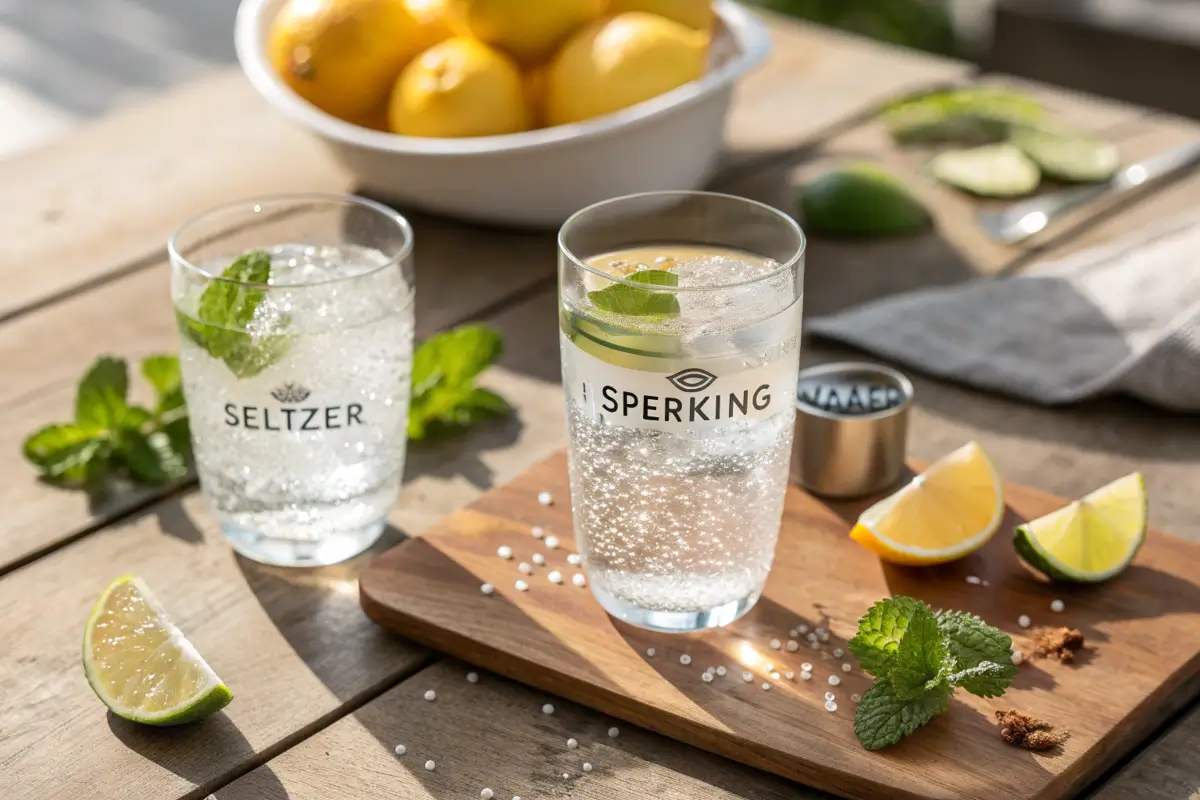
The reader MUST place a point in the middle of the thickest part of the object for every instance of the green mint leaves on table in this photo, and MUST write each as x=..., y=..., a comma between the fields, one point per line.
x=109, y=434
x=444, y=394
x=918, y=658
x=227, y=308
x=621, y=298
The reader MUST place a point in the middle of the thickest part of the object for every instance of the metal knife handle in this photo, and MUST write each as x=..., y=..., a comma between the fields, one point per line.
x=1156, y=166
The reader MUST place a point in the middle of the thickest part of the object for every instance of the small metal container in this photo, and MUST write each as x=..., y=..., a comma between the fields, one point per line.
x=851, y=428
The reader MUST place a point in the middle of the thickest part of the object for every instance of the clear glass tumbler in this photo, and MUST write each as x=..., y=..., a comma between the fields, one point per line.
x=295, y=316
x=680, y=330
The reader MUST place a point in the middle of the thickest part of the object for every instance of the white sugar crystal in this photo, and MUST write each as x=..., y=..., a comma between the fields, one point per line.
x=776, y=644
x=429, y=765
x=579, y=579
x=721, y=671
x=837, y=652
x=574, y=559
x=547, y=709
x=572, y=744
x=1017, y=658
x=587, y=767
x=525, y=568
x=614, y=732
x=806, y=667
x=834, y=680
x=487, y=588
x=486, y=794
x=793, y=645
x=791, y=676
x=685, y=659
x=974, y=579
x=504, y=551
x=1024, y=621
x=847, y=667
x=545, y=498
x=747, y=676
x=472, y=677
x=707, y=677
x=1057, y=606
x=538, y=559
x=537, y=532
x=555, y=576
x=552, y=542
x=522, y=586
x=650, y=652
x=805, y=675
x=766, y=687
x=801, y=629
x=401, y=749
x=430, y=695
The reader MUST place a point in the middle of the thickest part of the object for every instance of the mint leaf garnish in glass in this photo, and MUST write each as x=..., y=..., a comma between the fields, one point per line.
x=621, y=298
x=227, y=308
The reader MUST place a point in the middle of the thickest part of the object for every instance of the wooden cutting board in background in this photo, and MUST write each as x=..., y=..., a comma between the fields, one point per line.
x=1142, y=629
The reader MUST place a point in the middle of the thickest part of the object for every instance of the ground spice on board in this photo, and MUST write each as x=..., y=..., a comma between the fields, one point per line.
x=1022, y=730
x=1060, y=643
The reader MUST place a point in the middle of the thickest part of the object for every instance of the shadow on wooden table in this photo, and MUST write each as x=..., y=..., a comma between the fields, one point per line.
x=188, y=751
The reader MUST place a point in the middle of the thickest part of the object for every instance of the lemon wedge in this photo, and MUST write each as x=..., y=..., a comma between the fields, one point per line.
x=946, y=512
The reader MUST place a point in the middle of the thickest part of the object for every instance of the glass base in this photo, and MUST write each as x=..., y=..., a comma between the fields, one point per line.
x=675, y=621
x=280, y=552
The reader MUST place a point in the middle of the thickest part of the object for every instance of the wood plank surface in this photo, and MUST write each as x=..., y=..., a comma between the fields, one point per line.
x=1143, y=656
x=293, y=645
x=494, y=735
x=1166, y=770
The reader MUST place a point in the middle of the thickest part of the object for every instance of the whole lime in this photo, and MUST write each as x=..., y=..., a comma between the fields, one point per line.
x=861, y=200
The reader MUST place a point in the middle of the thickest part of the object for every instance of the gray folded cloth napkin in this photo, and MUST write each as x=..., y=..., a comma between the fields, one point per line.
x=1123, y=318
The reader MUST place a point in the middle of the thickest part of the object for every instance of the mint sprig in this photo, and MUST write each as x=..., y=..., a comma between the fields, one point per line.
x=444, y=394
x=621, y=298
x=110, y=435
x=918, y=658
x=226, y=311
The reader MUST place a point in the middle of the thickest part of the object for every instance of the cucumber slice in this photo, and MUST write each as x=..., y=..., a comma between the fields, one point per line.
x=1069, y=157
x=995, y=170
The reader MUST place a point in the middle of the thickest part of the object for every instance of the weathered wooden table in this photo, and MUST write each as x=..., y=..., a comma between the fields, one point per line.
x=322, y=695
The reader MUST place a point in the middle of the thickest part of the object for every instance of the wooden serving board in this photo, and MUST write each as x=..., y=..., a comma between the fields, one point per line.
x=1142, y=657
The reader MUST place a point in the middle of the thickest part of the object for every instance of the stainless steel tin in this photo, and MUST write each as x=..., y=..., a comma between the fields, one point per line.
x=851, y=428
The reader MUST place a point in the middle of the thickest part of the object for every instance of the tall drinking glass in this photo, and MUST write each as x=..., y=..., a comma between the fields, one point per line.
x=680, y=328
x=296, y=317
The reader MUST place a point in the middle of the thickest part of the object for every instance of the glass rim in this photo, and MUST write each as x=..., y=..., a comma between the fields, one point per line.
x=330, y=198
x=784, y=266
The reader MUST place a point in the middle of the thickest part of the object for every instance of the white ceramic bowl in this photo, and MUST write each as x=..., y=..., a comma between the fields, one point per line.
x=540, y=177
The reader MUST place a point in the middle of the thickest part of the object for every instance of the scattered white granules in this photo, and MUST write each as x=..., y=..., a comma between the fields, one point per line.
x=823, y=636
x=831, y=706
x=579, y=579
x=974, y=580
x=747, y=676
x=802, y=629
x=537, y=532
x=572, y=744
x=766, y=687
x=774, y=676
x=791, y=676
x=856, y=698
x=547, y=709
x=430, y=695
x=837, y=652
x=574, y=559
x=721, y=671
x=1024, y=621
x=834, y=680
x=525, y=568
x=522, y=586
x=401, y=749
x=1057, y=606
x=847, y=667
x=792, y=645
x=614, y=732
x=806, y=667
x=805, y=675
x=707, y=677
x=829, y=696
x=486, y=794
x=792, y=632
x=685, y=659
x=538, y=559
x=650, y=652
x=504, y=551
x=812, y=637
x=776, y=644
x=487, y=588
x=555, y=576
x=1018, y=657
x=429, y=765
x=545, y=498
x=472, y=677
x=587, y=766
x=552, y=542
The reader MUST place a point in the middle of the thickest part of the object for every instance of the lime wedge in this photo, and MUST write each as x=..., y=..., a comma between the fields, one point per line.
x=861, y=200
x=1069, y=157
x=995, y=170
x=141, y=666
x=1092, y=539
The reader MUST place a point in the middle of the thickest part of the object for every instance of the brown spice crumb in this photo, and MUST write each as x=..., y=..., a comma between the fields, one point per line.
x=1060, y=643
x=1022, y=730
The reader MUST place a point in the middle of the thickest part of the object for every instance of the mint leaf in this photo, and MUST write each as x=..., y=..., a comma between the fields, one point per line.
x=135, y=417
x=921, y=656
x=620, y=298
x=62, y=452
x=100, y=399
x=151, y=458
x=986, y=679
x=879, y=633
x=444, y=371
x=971, y=640
x=179, y=433
x=227, y=307
x=162, y=372
x=884, y=718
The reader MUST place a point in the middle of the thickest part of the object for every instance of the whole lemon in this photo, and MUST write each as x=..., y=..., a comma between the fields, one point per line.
x=528, y=30
x=696, y=14
x=619, y=62
x=432, y=24
x=460, y=87
x=342, y=55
